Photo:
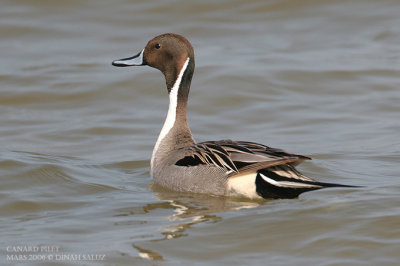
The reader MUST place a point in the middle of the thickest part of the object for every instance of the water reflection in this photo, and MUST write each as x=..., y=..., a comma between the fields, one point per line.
x=148, y=254
x=189, y=210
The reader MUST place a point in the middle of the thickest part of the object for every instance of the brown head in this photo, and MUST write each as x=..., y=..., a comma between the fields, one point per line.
x=167, y=52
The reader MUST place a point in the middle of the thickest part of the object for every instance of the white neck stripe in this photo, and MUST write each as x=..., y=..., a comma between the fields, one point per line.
x=171, y=116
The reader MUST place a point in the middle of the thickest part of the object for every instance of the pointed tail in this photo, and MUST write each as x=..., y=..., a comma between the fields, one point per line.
x=269, y=185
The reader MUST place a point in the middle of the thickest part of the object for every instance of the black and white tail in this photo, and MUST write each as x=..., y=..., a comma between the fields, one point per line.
x=277, y=183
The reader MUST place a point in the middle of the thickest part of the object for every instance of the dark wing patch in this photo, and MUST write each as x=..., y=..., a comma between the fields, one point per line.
x=189, y=161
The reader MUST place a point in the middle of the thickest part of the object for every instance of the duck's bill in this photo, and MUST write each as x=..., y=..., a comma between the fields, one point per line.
x=136, y=60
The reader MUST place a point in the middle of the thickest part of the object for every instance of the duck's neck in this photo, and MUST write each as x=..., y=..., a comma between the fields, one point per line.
x=175, y=133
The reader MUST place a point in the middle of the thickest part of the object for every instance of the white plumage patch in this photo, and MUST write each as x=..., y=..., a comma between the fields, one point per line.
x=286, y=173
x=171, y=116
x=243, y=185
x=290, y=172
x=287, y=184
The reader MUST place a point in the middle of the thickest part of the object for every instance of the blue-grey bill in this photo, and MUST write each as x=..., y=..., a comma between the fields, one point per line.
x=136, y=60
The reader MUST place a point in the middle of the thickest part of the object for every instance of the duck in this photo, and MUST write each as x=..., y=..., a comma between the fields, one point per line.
x=220, y=168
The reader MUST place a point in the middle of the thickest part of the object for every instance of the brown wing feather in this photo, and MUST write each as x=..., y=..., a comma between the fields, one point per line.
x=241, y=149
x=237, y=156
x=262, y=165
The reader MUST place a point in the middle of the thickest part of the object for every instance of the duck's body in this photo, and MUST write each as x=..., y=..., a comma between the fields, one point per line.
x=216, y=167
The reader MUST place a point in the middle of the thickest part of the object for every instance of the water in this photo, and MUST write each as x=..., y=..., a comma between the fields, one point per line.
x=320, y=78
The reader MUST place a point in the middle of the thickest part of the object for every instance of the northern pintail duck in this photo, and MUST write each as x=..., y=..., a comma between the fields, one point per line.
x=222, y=167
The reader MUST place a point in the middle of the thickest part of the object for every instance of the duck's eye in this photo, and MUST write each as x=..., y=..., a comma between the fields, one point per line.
x=157, y=46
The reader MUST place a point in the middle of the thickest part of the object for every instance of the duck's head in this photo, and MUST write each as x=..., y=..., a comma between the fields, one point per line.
x=167, y=52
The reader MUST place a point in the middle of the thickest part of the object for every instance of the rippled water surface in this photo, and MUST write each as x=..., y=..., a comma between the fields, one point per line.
x=320, y=78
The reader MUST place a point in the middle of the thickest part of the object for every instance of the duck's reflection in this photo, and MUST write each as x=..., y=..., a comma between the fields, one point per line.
x=188, y=210
x=191, y=209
